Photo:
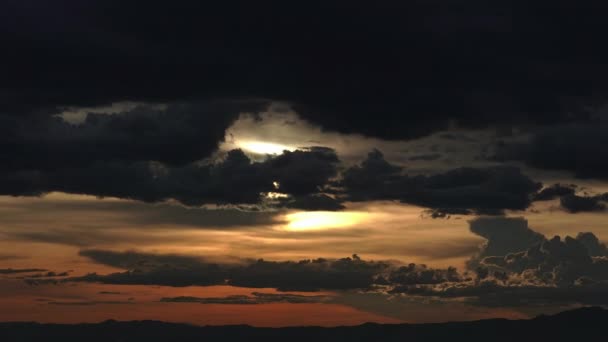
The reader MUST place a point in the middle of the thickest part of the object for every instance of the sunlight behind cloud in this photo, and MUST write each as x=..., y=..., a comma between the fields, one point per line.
x=313, y=220
x=261, y=147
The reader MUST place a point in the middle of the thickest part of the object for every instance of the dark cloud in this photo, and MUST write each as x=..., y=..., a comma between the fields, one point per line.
x=594, y=247
x=20, y=270
x=413, y=274
x=314, y=203
x=49, y=274
x=175, y=135
x=233, y=180
x=554, y=261
x=485, y=190
x=493, y=294
x=519, y=267
x=255, y=298
x=577, y=148
x=576, y=204
x=177, y=270
x=427, y=157
x=457, y=137
x=309, y=275
x=555, y=191
x=503, y=236
x=410, y=66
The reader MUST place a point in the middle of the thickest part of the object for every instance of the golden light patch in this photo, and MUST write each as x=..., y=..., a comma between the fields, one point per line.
x=313, y=220
x=276, y=195
x=261, y=147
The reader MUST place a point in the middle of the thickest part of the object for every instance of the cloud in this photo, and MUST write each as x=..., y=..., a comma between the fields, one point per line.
x=413, y=274
x=233, y=180
x=255, y=298
x=89, y=303
x=557, y=262
x=576, y=204
x=179, y=270
x=431, y=156
x=493, y=294
x=338, y=72
x=503, y=236
x=49, y=274
x=507, y=273
x=178, y=134
x=309, y=275
x=20, y=270
x=579, y=149
x=317, y=202
x=484, y=190
x=555, y=191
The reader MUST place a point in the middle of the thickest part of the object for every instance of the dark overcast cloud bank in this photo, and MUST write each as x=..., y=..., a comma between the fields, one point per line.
x=585, y=323
x=577, y=148
x=388, y=68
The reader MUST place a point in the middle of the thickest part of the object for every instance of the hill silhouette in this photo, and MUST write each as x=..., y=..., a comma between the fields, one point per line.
x=580, y=324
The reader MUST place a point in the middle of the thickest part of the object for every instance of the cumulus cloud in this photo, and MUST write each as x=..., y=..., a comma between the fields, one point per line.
x=503, y=236
x=526, y=270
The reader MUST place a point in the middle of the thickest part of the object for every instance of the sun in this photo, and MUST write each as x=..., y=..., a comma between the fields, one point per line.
x=315, y=220
x=261, y=147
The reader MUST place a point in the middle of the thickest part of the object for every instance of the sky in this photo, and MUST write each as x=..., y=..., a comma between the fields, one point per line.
x=278, y=164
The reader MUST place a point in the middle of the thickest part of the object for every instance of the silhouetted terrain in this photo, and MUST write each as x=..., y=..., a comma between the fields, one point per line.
x=587, y=324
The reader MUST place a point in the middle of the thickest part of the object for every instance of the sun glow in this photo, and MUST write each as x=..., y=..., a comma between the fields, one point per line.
x=261, y=147
x=313, y=220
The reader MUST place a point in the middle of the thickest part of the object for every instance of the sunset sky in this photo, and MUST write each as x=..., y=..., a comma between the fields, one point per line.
x=282, y=164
